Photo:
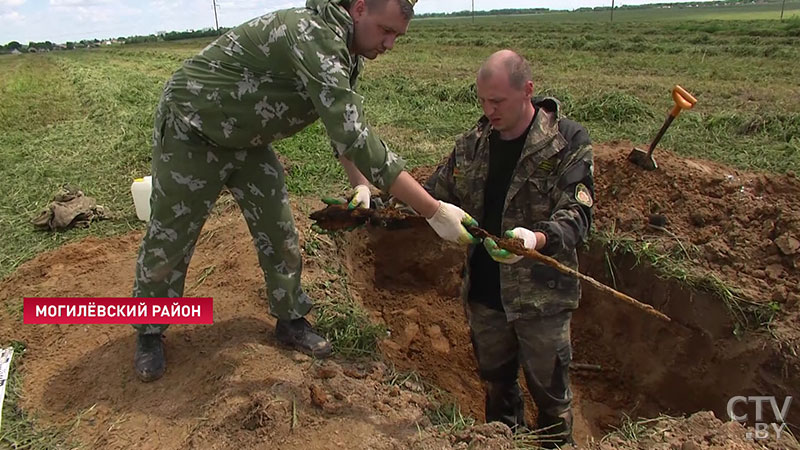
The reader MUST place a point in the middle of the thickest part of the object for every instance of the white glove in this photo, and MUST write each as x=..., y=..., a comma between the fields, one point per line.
x=360, y=197
x=449, y=223
x=504, y=256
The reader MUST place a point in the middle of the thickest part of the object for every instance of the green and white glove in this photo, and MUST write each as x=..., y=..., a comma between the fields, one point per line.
x=360, y=198
x=504, y=256
x=449, y=223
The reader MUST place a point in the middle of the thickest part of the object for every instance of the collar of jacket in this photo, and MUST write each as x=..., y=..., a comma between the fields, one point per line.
x=543, y=130
x=335, y=15
x=543, y=141
x=544, y=127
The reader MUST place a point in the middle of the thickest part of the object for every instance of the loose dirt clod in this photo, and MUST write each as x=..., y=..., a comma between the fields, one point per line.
x=339, y=217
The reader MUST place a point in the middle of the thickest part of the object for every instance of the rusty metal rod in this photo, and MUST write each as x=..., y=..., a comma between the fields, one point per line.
x=508, y=244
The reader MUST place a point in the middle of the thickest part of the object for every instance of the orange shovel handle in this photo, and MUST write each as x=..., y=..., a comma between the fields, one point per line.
x=683, y=100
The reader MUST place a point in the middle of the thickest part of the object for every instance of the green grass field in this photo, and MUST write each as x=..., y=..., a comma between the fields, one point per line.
x=84, y=117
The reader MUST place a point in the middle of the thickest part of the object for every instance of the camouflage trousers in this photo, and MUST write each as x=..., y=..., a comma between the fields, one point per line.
x=188, y=176
x=541, y=345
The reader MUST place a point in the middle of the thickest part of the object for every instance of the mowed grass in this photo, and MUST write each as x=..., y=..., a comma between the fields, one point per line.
x=84, y=117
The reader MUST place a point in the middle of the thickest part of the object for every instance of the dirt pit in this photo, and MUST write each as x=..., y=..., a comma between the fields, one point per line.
x=230, y=385
x=628, y=362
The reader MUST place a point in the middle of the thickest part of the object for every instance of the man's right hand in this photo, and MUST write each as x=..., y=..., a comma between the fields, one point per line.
x=449, y=223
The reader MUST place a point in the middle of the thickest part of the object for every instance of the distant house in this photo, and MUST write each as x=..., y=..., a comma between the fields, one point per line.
x=16, y=52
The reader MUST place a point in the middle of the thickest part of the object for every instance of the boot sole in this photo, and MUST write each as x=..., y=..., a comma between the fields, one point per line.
x=149, y=378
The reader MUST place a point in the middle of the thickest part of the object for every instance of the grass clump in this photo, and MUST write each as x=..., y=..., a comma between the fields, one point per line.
x=746, y=314
x=444, y=412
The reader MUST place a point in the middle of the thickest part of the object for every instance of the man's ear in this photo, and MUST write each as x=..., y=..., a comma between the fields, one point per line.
x=529, y=88
x=358, y=9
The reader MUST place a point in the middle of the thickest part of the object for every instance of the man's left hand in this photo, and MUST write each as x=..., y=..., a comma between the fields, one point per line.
x=504, y=256
x=359, y=199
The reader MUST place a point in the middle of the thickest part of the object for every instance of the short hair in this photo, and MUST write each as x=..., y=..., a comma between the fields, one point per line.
x=518, y=69
x=406, y=6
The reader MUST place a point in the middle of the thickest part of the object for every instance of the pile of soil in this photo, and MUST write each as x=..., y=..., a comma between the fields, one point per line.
x=740, y=226
x=230, y=385
x=700, y=431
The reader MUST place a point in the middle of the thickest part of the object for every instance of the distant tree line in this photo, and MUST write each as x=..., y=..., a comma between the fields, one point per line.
x=500, y=12
x=48, y=46
x=175, y=35
x=704, y=4
x=493, y=12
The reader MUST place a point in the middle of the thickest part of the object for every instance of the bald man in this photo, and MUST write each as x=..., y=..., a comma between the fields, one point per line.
x=526, y=171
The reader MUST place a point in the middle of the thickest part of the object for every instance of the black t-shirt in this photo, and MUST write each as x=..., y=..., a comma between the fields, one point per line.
x=485, y=272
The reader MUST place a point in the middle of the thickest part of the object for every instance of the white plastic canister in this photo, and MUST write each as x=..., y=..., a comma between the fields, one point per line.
x=140, y=189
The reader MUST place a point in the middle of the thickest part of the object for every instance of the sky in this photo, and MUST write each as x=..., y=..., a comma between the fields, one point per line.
x=72, y=20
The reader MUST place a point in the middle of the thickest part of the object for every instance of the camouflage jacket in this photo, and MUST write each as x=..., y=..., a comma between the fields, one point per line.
x=273, y=76
x=552, y=191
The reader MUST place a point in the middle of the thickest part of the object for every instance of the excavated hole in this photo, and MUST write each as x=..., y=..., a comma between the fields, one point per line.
x=410, y=280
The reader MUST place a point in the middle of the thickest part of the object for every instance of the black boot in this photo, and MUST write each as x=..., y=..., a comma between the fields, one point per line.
x=504, y=404
x=300, y=335
x=558, y=430
x=149, y=360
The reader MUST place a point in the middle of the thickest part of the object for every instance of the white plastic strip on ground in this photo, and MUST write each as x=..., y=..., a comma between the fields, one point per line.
x=5, y=364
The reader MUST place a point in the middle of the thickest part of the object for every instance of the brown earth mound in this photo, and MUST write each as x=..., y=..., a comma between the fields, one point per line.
x=229, y=385
x=743, y=227
x=700, y=431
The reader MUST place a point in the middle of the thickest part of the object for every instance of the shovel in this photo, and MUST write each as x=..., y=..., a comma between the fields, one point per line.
x=683, y=100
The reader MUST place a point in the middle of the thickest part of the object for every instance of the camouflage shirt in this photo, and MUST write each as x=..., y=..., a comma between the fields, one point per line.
x=551, y=191
x=271, y=77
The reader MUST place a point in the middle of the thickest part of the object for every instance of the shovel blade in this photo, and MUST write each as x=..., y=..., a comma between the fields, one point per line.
x=643, y=159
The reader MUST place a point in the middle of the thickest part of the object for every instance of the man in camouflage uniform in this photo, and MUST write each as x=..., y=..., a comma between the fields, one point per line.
x=262, y=81
x=526, y=169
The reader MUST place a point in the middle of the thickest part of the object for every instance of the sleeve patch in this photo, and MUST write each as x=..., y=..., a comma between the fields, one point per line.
x=583, y=196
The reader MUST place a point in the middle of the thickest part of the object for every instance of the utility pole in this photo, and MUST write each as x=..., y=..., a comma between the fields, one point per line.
x=612, y=11
x=782, y=6
x=216, y=22
x=473, y=11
